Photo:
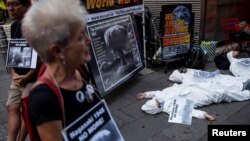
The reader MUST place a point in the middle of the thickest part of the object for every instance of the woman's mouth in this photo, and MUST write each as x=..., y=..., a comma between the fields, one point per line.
x=86, y=52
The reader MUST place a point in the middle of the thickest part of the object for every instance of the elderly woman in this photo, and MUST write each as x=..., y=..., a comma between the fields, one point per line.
x=55, y=29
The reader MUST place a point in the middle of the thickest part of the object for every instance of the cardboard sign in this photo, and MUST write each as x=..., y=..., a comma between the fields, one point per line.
x=96, y=124
x=20, y=54
x=181, y=111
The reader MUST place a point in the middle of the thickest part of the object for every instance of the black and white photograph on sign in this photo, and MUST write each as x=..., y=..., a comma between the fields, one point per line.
x=115, y=48
x=107, y=133
x=97, y=124
x=20, y=55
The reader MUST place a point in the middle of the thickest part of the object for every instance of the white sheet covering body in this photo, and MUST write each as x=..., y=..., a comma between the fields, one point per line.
x=188, y=77
x=222, y=79
x=202, y=94
x=236, y=68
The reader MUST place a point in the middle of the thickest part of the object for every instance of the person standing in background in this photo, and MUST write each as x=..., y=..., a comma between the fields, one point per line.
x=21, y=77
x=63, y=45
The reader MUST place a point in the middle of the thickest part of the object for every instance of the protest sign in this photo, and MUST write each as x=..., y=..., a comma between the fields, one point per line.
x=176, y=21
x=116, y=52
x=206, y=74
x=181, y=111
x=96, y=124
x=20, y=54
x=245, y=61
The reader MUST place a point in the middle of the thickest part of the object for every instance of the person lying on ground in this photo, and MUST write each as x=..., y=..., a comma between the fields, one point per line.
x=193, y=76
x=239, y=67
x=202, y=95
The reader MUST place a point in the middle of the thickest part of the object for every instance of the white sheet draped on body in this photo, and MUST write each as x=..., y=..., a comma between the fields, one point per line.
x=236, y=68
x=203, y=91
x=189, y=78
x=202, y=94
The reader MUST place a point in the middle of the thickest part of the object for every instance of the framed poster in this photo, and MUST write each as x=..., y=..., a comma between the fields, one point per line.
x=95, y=125
x=176, y=23
x=115, y=50
x=20, y=54
x=102, y=9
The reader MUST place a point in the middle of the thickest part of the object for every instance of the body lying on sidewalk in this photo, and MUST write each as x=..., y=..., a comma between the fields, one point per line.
x=239, y=67
x=202, y=92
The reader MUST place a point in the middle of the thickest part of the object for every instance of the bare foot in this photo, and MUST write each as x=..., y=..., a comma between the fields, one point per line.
x=140, y=96
x=210, y=117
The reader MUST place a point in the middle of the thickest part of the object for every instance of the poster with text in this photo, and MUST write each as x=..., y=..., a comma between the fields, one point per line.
x=116, y=52
x=20, y=54
x=95, y=125
x=102, y=9
x=181, y=111
x=176, y=29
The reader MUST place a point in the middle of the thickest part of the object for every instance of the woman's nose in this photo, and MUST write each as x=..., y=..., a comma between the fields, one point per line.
x=87, y=39
x=10, y=8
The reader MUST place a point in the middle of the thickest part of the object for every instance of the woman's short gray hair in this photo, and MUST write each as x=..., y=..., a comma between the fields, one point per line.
x=48, y=22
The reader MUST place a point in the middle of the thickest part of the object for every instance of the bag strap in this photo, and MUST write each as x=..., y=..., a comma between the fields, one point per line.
x=57, y=92
x=27, y=122
x=41, y=70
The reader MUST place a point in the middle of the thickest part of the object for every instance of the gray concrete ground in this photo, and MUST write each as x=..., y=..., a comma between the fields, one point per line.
x=4, y=85
x=138, y=126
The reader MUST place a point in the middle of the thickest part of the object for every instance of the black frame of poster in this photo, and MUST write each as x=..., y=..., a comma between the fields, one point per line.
x=114, y=61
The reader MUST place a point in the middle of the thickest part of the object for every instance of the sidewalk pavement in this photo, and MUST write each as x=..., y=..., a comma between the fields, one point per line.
x=138, y=126
x=4, y=85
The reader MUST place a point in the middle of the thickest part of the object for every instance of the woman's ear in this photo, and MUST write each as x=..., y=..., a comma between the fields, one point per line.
x=56, y=50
